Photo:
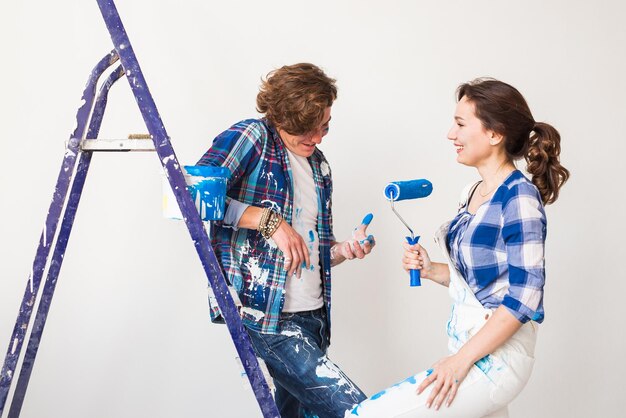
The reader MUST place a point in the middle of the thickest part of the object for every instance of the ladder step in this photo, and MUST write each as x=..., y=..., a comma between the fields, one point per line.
x=112, y=145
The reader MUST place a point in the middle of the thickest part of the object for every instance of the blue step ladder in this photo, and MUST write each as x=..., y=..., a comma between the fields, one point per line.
x=81, y=145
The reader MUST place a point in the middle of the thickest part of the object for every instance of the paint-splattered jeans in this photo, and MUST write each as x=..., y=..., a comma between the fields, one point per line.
x=307, y=382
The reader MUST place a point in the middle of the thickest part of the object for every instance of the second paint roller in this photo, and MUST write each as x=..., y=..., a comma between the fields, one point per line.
x=404, y=190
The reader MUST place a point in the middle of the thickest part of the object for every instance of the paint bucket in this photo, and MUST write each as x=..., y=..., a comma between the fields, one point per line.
x=207, y=186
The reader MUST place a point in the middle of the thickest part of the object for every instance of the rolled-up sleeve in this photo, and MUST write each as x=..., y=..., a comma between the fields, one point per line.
x=233, y=213
x=524, y=235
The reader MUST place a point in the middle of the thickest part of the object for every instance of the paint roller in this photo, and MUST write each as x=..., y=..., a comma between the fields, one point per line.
x=404, y=190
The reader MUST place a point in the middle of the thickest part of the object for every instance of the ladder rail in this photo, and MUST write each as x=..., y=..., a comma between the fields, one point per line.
x=73, y=173
x=84, y=161
x=192, y=219
x=50, y=229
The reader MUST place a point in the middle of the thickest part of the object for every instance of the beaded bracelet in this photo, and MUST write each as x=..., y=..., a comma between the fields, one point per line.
x=268, y=229
x=264, y=217
x=272, y=224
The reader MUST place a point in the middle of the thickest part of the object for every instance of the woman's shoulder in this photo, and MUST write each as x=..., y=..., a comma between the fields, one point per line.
x=516, y=186
x=520, y=199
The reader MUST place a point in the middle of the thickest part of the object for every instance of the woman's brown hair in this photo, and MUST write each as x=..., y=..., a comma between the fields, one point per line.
x=502, y=109
x=294, y=97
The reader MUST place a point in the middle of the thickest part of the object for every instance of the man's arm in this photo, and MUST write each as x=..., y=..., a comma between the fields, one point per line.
x=250, y=218
x=291, y=244
x=234, y=211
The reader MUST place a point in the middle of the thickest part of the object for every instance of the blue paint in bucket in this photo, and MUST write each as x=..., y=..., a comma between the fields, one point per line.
x=207, y=185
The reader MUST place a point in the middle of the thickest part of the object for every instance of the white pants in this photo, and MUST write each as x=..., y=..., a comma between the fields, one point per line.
x=473, y=399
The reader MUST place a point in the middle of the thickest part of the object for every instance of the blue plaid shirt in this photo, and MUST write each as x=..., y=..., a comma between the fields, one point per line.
x=261, y=176
x=500, y=249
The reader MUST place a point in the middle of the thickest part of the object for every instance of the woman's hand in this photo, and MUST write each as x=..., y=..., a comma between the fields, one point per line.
x=293, y=247
x=447, y=375
x=416, y=258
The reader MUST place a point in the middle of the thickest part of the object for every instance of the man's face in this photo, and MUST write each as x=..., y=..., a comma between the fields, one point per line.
x=304, y=145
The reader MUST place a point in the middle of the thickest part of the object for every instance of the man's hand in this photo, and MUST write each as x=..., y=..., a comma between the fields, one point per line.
x=359, y=246
x=293, y=247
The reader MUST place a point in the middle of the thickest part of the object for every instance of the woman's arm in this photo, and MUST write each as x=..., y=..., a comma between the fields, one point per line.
x=438, y=273
x=499, y=328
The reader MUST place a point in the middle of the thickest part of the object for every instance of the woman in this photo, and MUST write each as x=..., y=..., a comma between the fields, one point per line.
x=494, y=251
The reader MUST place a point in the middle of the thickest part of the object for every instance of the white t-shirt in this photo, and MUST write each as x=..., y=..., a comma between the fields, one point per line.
x=305, y=293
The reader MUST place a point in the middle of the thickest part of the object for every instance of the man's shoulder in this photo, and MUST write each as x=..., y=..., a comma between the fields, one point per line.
x=252, y=131
x=255, y=127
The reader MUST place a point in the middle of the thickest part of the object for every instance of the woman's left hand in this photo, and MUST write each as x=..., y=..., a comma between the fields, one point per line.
x=447, y=375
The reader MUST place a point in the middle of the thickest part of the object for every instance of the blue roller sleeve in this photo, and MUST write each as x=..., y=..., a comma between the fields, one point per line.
x=411, y=189
x=415, y=274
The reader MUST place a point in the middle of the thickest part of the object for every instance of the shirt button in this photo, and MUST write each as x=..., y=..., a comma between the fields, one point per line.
x=486, y=317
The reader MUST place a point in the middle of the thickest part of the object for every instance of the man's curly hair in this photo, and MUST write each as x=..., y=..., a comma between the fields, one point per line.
x=294, y=97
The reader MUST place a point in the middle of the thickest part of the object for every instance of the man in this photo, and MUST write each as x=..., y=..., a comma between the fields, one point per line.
x=276, y=243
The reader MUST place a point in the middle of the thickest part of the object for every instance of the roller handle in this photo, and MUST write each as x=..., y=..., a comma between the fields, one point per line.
x=415, y=274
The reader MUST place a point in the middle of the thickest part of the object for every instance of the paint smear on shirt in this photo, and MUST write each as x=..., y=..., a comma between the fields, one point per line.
x=259, y=275
x=256, y=314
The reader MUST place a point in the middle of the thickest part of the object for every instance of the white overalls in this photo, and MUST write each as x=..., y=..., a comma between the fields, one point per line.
x=491, y=383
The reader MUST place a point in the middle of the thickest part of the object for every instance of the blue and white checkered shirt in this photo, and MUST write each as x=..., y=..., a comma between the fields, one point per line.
x=500, y=249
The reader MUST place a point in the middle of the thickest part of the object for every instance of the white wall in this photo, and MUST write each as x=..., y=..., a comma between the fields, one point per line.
x=128, y=333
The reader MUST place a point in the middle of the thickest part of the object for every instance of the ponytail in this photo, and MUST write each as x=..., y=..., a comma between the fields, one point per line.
x=542, y=157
